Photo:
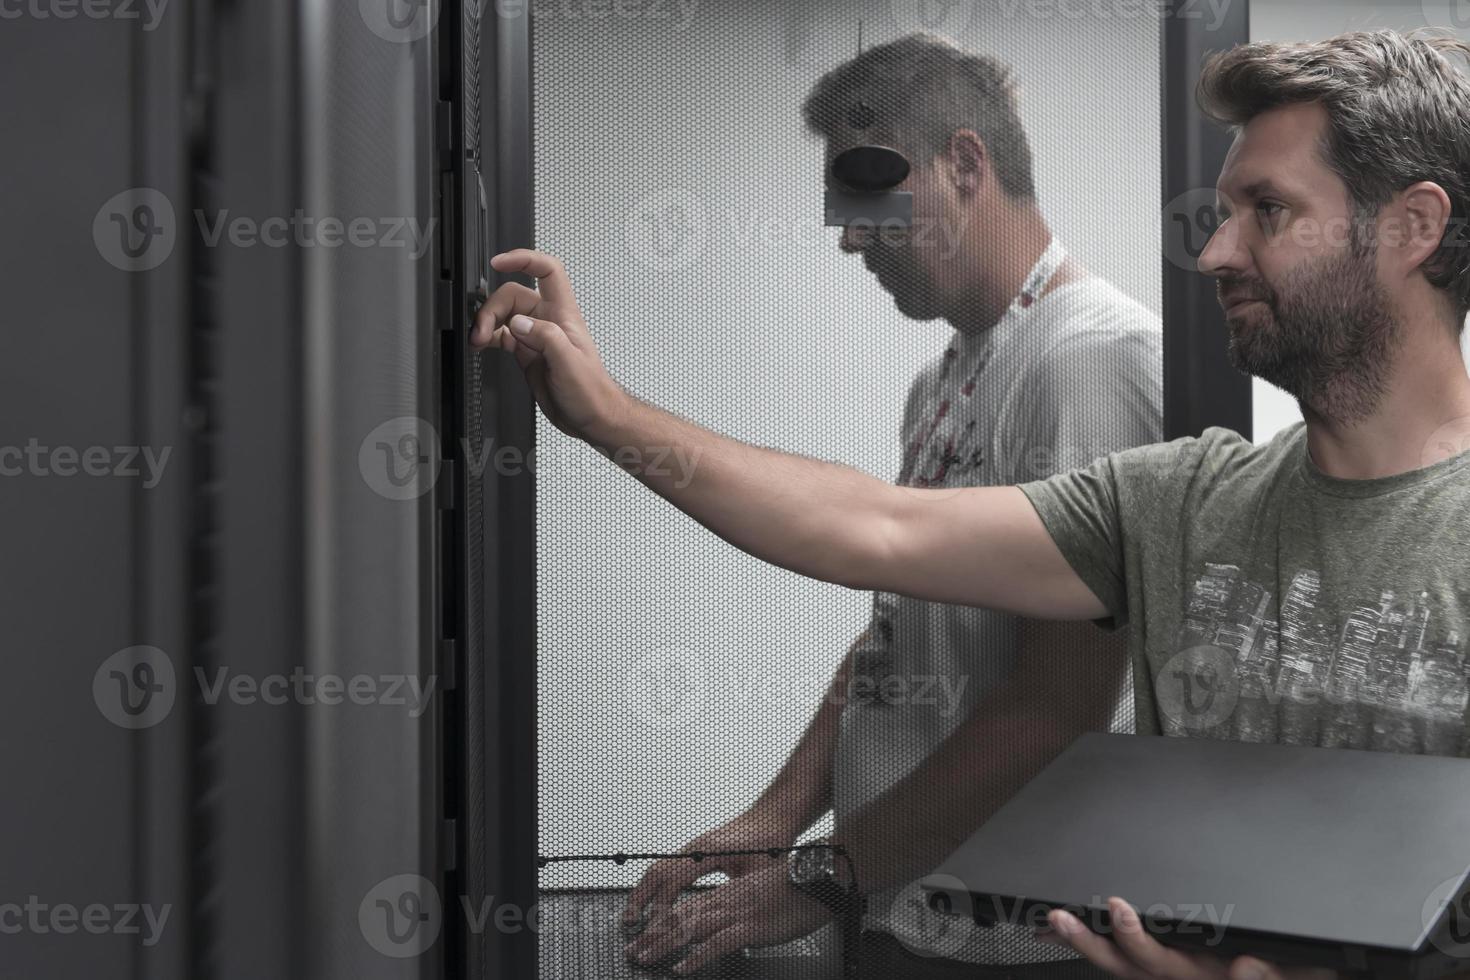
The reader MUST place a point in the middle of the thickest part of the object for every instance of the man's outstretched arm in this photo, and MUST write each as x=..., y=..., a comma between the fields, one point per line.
x=981, y=546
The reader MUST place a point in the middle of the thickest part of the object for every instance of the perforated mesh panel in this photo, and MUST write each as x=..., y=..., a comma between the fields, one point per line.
x=676, y=178
x=582, y=932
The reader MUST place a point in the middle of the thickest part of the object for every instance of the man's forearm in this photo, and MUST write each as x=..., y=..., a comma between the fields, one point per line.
x=819, y=519
x=802, y=791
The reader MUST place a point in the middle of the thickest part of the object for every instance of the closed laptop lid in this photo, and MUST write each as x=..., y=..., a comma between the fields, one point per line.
x=1333, y=845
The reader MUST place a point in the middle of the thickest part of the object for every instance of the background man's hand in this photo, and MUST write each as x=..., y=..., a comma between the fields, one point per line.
x=545, y=330
x=663, y=882
x=761, y=908
x=1134, y=954
x=758, y=883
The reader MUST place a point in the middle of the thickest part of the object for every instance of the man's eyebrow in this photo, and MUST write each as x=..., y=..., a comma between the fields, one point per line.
x=1257, y=188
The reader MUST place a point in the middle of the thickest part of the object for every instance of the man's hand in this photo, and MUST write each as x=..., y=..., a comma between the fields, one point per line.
x=761, y=908
x=663, y=882
x=1135, y=955
x=545, y=330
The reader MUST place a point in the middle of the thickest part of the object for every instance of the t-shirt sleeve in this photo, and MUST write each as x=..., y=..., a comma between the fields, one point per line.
x=1080, y=511
x=1101, y=515
x=1098, y=391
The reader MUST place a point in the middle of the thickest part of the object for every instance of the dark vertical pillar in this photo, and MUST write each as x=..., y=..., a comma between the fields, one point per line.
x=1201, y=388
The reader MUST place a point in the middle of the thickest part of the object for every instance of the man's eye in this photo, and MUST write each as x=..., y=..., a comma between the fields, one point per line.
x=1269, y=212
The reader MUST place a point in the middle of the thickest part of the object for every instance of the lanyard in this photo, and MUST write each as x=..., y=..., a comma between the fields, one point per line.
x=1041, y=273
x=874, y=658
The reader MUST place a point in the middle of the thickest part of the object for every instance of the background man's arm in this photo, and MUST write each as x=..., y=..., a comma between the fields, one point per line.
x=802, y=790
x=1065, y=683
x=799, y=794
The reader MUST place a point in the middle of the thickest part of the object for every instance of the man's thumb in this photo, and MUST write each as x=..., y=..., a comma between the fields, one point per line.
x=541, y=336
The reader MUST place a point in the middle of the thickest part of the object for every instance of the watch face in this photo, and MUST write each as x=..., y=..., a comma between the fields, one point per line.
x=808, y=867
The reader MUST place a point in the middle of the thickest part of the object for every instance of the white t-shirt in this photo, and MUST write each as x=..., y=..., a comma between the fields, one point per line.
x=1059, y=381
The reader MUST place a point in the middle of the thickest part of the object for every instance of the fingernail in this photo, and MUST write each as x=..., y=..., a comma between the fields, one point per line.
x=1066, y=925
x=1124, y=913
x=521, y=324
x=1251, y=971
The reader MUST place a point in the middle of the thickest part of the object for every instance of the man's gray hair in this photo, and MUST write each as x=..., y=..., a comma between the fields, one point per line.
x=922, y=88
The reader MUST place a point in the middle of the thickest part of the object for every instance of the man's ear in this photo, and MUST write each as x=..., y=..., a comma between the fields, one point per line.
x=966, y=161
x=1427, y=213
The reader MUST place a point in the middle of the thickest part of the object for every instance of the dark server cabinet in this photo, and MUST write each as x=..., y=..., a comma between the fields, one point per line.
x=168, y=297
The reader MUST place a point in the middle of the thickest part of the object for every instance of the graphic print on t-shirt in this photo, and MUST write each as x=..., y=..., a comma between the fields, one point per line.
x=1384, y=677
x=950, y=438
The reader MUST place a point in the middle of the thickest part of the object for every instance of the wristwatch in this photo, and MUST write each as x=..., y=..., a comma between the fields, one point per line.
x=813, y=871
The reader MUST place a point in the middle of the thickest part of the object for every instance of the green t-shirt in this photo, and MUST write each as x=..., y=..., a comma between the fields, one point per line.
x=1267, y=601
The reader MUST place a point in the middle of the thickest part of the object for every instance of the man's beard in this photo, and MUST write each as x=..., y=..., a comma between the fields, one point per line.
x=1326, y=336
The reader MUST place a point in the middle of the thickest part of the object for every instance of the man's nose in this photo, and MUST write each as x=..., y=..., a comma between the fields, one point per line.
x=1222, y=254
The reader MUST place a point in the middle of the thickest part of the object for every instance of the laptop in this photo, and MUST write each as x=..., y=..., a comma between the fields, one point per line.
x=1303, y=856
